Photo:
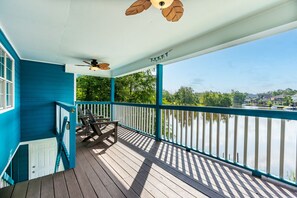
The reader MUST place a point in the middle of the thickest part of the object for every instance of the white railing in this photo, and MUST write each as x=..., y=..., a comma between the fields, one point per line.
x=262, y=141
x=96, y=108
x=140, y=118
x=65, y=129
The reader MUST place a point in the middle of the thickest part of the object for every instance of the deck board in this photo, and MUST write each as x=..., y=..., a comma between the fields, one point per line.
x=20, y=190
x=6, y=192
x=72, y=184
x=138, y=166
x=95, y=182
x=47, y=187
x=34, y=187
x=60, y=188
x=111, y=186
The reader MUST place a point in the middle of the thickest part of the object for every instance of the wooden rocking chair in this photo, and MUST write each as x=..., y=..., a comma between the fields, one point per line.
x=100, y=133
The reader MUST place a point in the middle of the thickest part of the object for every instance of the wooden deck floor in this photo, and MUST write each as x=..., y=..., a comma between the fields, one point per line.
x=138, y=166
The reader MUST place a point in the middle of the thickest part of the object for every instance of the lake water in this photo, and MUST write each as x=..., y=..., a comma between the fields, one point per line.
x=290, y=139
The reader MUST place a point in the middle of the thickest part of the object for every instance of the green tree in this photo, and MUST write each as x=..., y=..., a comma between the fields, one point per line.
x=91, y=88
x=168, y=98
x=185, y=96
x=238, y=98
x=288, y=100
x=215, y=99
x=137, y=88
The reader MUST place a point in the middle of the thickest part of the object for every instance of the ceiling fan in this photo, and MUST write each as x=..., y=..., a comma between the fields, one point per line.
x=172, y=10
x=95, y=66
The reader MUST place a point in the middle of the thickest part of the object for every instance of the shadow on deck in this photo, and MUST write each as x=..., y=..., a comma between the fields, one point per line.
x=138, y=166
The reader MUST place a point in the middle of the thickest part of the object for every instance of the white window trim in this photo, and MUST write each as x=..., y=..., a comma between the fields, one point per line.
x=6, y=109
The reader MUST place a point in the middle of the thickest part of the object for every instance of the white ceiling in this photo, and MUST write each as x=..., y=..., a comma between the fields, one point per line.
x=69, y=31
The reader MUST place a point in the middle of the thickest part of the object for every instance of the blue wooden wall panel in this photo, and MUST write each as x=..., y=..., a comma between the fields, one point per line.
x=19, y=167
x=10, y=121
x=42, y=85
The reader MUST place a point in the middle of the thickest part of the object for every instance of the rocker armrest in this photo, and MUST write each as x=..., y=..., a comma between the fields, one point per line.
x=98, y=116
x=99, y=119
x=107, y=122
x=83, y=116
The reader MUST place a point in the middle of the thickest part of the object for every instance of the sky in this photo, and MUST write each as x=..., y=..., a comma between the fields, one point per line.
x=255, y=67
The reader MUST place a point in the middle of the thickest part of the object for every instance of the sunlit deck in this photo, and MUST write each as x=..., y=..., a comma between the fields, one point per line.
x=138, y=166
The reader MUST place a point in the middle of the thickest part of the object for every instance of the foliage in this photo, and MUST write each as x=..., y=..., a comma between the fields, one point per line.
x=168, y=98
x=140, y=88
x=216, y=99
x=238, y=98
x=288, y=91
x=288, y=100
x=185, y=96
x=90, y=88
x=136, y=88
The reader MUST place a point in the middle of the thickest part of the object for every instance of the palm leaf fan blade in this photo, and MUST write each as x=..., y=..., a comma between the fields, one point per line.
x=174, y=12
x=138, y=7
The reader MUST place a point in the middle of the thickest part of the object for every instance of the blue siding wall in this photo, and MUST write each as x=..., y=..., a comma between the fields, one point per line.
x=10, y=121
x=41, y=85
x=20, y=164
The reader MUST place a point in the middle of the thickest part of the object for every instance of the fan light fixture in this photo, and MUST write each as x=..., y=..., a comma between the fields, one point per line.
x=161, y=4
x=94, y=68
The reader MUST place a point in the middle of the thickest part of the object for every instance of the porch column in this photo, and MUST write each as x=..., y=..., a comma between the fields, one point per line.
x=112, y=94
x=159, y=97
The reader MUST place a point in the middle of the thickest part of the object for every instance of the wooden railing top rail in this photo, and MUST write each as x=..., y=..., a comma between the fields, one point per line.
x=278, y=114
x=68, y=107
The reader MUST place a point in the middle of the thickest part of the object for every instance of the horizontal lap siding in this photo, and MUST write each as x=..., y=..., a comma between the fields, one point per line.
x=41, y=86
x=10, y=121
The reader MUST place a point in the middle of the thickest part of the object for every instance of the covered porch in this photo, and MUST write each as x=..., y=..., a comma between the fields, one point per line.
x=139, y=166
x=163, y=150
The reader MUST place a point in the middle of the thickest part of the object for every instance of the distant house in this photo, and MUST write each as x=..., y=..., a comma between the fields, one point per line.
x=251, y=98
x=278, y=100
x=294, y=99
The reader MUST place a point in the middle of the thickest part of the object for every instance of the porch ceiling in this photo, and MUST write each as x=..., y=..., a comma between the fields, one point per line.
x=69, y=31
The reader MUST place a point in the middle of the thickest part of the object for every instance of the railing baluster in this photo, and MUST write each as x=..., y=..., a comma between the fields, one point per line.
x=210, y=132
x=147, y=120
x=192, y=120
x=139, y=117
x=282, y=148
x=153, y=122
x=245, y=138
x=218, y=135
x=176, y=129
x=143, y=118
x=161, y=127
x=98, y=112
x=197, y=132
x=235, y=139
x=172, y=121
x=134, y=117
x=203, y=131
x=130, y=116
x=165, y=115
x=168, y=135
x=257, y=143
x=187, y=118
x=181, y=127
x=226, y=137
x=126, y=115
